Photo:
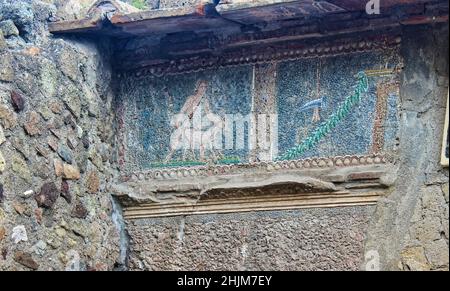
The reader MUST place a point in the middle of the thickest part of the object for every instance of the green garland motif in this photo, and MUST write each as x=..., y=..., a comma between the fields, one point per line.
x=176, y=164
x=326, y=127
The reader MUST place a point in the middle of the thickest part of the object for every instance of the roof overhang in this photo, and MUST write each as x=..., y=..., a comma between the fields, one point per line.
x=113, y=18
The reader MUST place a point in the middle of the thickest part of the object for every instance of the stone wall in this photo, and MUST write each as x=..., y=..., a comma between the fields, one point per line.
x=57, y=145
x=313, y=239
x=58, y=159
x=410, y=227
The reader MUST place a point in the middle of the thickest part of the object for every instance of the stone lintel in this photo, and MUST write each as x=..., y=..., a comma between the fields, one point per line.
x=255, y=190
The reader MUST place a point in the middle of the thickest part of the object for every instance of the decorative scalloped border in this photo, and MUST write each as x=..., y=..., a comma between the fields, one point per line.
x=277, y=53
x=207, y=171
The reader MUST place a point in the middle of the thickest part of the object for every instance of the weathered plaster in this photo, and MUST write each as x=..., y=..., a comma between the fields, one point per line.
x=314, y=239
x=410, y=227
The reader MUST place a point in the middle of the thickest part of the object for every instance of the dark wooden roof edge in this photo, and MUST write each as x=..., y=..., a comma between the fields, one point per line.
x=99, y=11
x=225, y=10
x=123, y=21
x=154, y=14
x=93, y=23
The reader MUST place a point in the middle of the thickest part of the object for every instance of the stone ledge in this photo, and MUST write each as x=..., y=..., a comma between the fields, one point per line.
x=255, y=190
x=250, y=204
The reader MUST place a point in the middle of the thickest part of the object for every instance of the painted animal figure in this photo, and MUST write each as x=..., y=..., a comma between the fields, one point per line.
x=316, y=105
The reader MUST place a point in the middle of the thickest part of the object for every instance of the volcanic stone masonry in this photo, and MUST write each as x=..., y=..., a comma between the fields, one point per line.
x=350, y=179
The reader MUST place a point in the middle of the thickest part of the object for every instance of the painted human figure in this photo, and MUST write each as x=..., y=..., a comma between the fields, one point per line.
x=211, y=134
x=188, y=123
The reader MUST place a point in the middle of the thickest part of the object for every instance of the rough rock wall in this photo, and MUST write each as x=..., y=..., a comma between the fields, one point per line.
x=310, y=239
x=56, y=146
x=410, y=227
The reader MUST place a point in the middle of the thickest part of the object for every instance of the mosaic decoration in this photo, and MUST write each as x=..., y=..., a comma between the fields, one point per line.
x=328, y=106
x=346, y=105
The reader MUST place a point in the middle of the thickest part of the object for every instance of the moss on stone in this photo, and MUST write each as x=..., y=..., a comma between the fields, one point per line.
x=139, y=4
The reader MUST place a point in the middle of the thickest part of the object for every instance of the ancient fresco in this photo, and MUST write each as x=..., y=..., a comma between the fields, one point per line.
x=281, y=110
x=322, y=113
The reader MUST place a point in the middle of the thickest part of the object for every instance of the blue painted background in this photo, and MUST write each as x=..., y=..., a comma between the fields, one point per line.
x=148, y=109
x=230, y=91
x=297, y=84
